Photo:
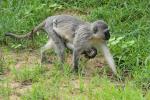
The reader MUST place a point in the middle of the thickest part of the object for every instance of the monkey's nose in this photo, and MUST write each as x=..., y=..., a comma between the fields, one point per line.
x=107, y=35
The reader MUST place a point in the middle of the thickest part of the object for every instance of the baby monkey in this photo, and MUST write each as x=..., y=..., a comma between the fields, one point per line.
x=79, y=36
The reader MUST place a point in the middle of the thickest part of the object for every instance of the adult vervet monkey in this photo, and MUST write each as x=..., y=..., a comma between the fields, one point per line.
x=75, y=34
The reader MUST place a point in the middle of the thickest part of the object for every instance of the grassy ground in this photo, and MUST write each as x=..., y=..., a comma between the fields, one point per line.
x=21, y=77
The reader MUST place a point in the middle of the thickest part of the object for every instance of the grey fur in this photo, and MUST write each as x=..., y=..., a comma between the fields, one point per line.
x=77, y=35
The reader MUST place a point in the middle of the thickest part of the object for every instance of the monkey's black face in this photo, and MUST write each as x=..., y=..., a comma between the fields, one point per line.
x=106, y=34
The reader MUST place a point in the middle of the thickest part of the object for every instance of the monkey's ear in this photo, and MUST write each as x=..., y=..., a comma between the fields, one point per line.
x=95, y=29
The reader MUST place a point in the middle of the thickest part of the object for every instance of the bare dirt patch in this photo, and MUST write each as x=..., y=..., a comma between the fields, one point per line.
x=19, y=89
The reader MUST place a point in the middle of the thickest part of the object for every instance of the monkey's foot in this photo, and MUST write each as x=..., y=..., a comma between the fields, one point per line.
x=74, y=70
x=77, y=72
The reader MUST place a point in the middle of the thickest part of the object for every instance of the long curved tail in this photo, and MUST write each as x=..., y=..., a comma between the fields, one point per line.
x=29, y=34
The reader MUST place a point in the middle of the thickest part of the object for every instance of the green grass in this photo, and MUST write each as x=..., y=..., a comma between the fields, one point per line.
x=129, y=23
x=27, y=74
x=5, y=91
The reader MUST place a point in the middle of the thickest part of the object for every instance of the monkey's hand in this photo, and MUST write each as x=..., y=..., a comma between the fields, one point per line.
x=90, y=53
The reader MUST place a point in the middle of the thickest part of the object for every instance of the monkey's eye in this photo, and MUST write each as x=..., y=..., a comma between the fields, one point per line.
x=95, y=29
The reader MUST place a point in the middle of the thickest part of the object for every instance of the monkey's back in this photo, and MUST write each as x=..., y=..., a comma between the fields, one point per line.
x=66, y=26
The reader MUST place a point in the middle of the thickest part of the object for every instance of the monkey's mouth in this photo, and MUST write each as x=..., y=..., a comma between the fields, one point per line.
x=107, y=39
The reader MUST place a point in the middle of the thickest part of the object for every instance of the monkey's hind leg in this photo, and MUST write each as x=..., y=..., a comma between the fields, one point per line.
x=58, y=44
x=48, y=45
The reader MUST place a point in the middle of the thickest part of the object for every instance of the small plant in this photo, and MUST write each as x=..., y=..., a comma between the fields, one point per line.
x=2, y=63
x=142, y=78
x=81, y=85
x=27, y=74
x=5, y=91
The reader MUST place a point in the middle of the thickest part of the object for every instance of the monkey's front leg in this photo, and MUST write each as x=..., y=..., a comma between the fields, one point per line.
x=108, y=57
